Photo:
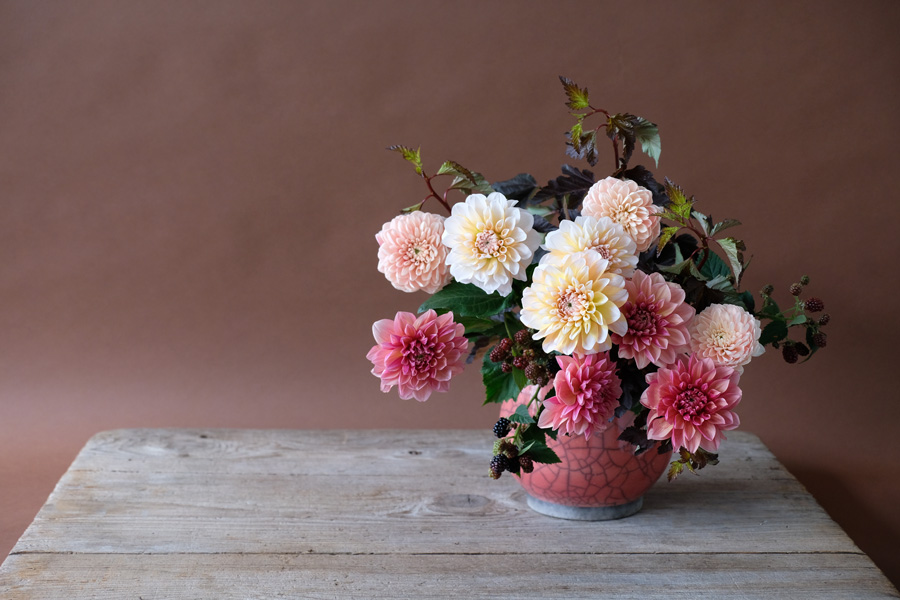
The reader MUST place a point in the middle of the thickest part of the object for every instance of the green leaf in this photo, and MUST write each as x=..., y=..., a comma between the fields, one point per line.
x=520, y=377
x=713, y=267
x=724, y=225
x=702, y=219
x=465, y=180
x=679, y=204
x=647, y=134
x=674, y=470
x=539, y=452
x=521, y=416
x=534, y=434
x=664, y=238
x=799, y=319
x=498, y=386
x=578, y=97
x=465, y=300
x=476, y=325
x=734, y=250
x=413, y=208
x=775, y=331
x=413, y=156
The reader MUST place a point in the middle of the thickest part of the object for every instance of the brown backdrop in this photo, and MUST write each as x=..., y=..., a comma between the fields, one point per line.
x=189, y=193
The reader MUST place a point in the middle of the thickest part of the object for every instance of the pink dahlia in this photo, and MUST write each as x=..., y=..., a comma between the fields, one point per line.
x=417, y=354
x=691, y=402
x=587, y=394
x=657, y=318
x=626, y=203
x=410, y=252
x=727, y=334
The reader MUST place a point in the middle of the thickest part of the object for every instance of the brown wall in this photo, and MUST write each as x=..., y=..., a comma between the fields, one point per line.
x=189, y=193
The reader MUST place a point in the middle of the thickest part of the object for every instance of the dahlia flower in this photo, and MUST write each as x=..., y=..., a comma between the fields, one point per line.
x=599, y=234
x=410, y=252
x=573, y=302
x=626, y=203
x=587, y=394
x=491, y=242
x=417, y=354
x=691, y=402
x=727, y=334
x=657, y=318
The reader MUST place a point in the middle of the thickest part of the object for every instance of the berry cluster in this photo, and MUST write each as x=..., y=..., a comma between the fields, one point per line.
x=519, y=352
x=506, y=458
x=792, y=350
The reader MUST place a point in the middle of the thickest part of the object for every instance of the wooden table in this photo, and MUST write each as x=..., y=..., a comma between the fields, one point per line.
x=168, y=513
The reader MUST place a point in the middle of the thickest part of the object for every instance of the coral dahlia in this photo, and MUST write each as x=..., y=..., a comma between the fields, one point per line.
x=573, y=302
x=602, y=235
x=410, y=252
x=691, y=401
x=657, y=318
x=727, y=334
x=587, y=394
x=491, y=242
x=626, y=203
x=417, y=354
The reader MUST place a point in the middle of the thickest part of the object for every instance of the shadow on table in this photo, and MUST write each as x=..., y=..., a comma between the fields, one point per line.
x=875, y=536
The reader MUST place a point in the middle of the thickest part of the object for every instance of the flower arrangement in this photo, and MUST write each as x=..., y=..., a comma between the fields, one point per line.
x=585, y=298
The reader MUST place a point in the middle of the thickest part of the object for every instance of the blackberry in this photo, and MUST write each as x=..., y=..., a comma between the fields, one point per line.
x=823, y=320
x=804, y=280
x=508, y=449
x=520, y=362
x=815, y=305
x=499, y=354
x=526, y=463
x=802, y=350
x=529, y=354
x=789, y=353
x=767, y=291
x=512, y=466
x=523, y=337
x=505, y=343
x=506, y=367
x=498, y=464
x=501, y=427
x=796, y=289
x=819, y=339
x=534, y=372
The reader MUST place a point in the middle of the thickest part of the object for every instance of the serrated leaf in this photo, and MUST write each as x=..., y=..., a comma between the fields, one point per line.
x=521, y=416
x=465, y=300
x=413, y=208
x=573, y=183
x=722, y=226
x=713, y=267
x=734, y=250
x=664, y=238
x=519, y=187
x=413, y=156
x=498, y=386
x=775, y=331
x=541, y=453
x=674, y=470
x=703, y=220
x=578, y=97
x=477, y=325
x=575, y=135
x=520, y=377
x=798, y=320
x=647, y=134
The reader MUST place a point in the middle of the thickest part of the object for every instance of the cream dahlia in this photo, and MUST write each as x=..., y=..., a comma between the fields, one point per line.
x=587, y=394
x=599, y=234
x=727, y=334
x=691, y=402
x=626, y=203
x=417, y=354
x=491, y=242
x=657, y=318
x=410, y=252
x=573, y=302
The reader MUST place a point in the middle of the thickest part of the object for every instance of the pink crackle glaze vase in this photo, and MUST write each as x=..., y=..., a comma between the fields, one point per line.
x=598, y=479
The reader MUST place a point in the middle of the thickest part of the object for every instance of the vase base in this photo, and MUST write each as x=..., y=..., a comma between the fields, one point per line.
x=584, y=513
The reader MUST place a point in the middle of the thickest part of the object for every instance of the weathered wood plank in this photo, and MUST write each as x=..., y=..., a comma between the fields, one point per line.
x=423, y=577
x=389, y=492
x=395, y=452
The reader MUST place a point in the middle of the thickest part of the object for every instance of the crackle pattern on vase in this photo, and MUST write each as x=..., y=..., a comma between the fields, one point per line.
x=602, y=471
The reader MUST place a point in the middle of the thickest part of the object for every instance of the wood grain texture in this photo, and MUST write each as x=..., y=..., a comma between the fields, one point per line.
x=404, y=514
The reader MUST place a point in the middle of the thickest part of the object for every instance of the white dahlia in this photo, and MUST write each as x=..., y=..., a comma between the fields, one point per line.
x=491, y=242
x=574, y=303
x=602, y=235
x=626, y=203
